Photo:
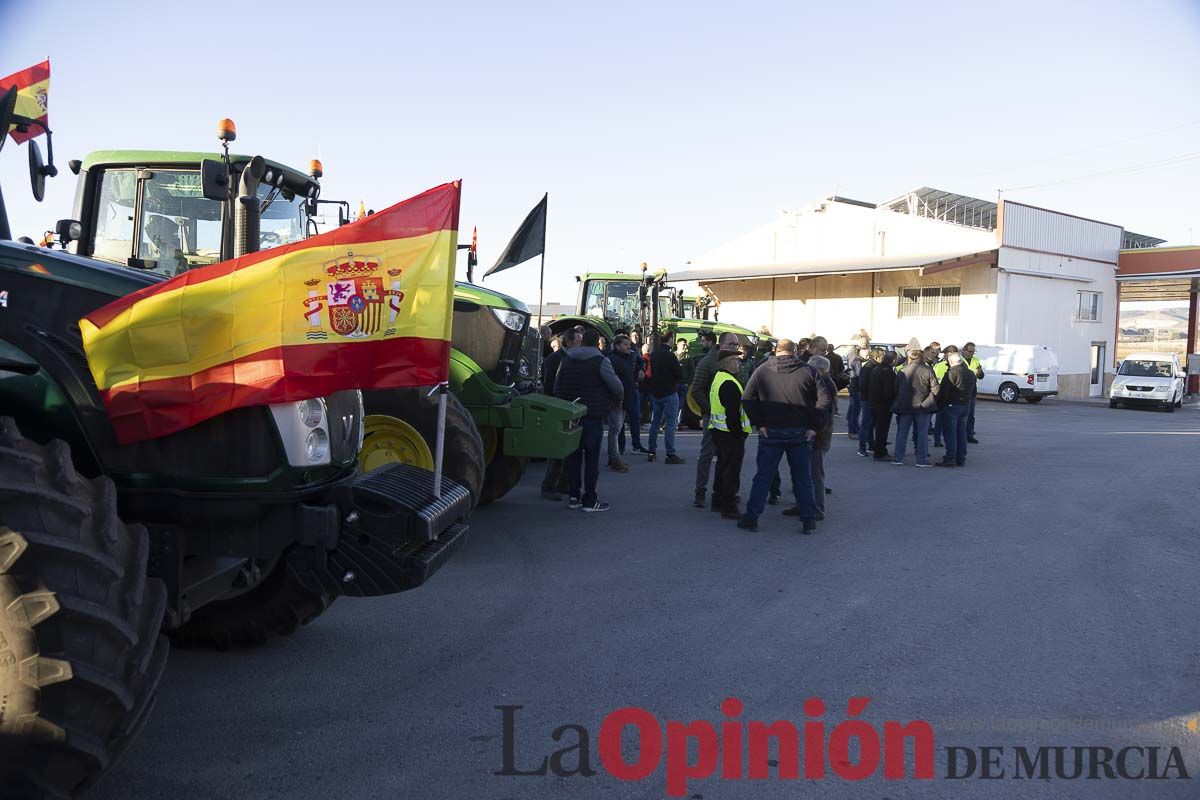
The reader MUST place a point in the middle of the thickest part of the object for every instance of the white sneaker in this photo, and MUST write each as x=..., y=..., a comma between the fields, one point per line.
x=574, y=502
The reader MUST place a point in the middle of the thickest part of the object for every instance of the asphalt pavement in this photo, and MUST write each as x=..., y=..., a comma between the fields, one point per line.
x=1045, y=595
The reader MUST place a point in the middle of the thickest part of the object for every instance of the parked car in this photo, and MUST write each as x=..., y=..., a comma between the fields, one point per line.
x=1149, y=379
x=1015, y=371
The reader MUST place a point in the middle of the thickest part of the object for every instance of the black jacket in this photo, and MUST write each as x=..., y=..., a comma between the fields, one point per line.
x=666, y=373
x=625, y=366
x=864, y=380
x=587, y=375
x=784, y=393
x=958, y=385
x=883, y=387
x=916, y=390
x=550, y=370
x=837, y=370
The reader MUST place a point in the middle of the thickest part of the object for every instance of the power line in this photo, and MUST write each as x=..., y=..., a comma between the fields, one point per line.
x=1176, y=159
x=1096, y=147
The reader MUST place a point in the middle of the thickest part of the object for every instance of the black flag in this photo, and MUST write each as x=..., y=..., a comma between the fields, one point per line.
x=527, y=242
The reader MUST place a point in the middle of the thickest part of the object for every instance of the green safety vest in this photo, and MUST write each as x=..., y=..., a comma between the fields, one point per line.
x=939, y=369
x=716, y=417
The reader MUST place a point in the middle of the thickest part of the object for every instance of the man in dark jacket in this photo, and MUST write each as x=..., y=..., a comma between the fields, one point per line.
x=706, y=370
x=665, y=375
x=783, y=402
x=866, y=433
x=916, y=400
x=881, y=395
x=554, y=483
x=730, y=428
x=585, y=375
x=956, y=392
x=827, y=400
x=623, y=366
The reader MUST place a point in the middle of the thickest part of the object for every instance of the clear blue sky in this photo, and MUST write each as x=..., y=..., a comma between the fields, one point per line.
x=659, y=131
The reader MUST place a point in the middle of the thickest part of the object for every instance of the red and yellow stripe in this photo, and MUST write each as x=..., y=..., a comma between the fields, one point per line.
x=33, y=91
x=256, y=330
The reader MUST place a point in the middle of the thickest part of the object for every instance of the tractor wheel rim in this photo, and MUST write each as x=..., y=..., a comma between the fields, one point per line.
x=389, y=440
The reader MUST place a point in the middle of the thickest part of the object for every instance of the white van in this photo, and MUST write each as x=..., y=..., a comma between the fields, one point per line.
x=1149, y=379
x=1015, y=371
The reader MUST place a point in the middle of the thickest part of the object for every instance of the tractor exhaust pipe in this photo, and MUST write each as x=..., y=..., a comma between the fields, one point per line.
x=246, y=213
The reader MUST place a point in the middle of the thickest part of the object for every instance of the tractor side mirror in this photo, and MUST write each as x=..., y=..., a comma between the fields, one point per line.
x=214, y=182
x=68, y=230
x=37, y=171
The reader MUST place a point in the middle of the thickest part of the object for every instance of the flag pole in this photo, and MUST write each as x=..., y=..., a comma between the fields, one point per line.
x=537, y=360
x=442, y=390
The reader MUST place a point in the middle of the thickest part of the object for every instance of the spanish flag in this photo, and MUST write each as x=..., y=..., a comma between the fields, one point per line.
x=33, y=93
x=368, y=305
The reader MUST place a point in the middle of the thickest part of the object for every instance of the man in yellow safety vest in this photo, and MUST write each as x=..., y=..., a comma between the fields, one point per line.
x=730, y=426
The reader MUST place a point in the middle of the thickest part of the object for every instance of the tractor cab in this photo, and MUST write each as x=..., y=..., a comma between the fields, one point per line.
x=152, y=210
x=628, y=302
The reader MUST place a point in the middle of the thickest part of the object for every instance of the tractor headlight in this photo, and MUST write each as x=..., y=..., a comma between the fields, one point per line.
x=513, y=320
x=316, y=446
x=304, y=431
x=311, y=412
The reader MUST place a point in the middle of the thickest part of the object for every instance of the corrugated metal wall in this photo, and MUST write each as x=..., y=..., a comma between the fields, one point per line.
x=1051, y=232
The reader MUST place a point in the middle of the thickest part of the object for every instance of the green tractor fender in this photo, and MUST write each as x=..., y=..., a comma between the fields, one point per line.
x=533, y=425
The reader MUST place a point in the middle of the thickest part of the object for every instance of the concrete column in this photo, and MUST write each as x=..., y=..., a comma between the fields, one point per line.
x=1193, y=309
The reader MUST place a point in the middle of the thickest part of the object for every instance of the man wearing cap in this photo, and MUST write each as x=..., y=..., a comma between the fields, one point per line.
x=916, y=400
x=957, y=388
x=783, y=402
x=706, y=371
x=730, y=427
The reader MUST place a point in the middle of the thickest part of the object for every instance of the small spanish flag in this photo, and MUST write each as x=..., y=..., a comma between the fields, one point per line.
x=367, y=305
x=33, y=97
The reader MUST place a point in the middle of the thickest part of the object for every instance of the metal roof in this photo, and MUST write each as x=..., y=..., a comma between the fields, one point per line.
x=835, y=267
x=945, y=207
x=1139, y=241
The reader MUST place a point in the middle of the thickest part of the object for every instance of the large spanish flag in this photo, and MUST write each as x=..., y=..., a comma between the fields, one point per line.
x=33, y=93
x=368, y=305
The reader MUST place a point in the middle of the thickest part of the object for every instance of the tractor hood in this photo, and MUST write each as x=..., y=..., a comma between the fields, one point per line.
x=58, y=265
x=486, y=297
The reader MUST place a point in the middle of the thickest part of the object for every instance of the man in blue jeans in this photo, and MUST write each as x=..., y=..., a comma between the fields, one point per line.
x=858, y=358
x=666, y=373
x=916, y=400
x=586, y=375
x=956, y=391
x=783, y=400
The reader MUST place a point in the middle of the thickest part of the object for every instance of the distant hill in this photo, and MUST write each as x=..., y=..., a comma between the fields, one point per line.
x=1165, y=318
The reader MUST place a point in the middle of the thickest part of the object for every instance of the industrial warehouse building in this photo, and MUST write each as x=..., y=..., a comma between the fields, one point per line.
x=933, y=265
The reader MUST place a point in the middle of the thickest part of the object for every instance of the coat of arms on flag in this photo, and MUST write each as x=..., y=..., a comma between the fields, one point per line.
x=354, y=297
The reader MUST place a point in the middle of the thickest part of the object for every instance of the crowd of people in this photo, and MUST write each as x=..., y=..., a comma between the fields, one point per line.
x=788, y=398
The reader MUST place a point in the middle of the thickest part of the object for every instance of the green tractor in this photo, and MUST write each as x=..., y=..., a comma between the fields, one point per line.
x=491, y=371
x=492, y=429
x=243, y=527
x=617, y=302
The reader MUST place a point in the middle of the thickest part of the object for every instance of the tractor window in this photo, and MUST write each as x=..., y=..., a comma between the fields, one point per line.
x=621, y=307
x=593, y=303
x=114, y=216
x=181, y=229
x=283, y=217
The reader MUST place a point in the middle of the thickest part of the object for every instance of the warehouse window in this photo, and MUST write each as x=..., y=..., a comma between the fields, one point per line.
x=929, y=301
x=1089, y=307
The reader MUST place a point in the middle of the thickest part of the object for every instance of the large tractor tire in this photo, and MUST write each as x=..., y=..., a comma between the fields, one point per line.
x=80, y=649
x=276, y=606
x=503, y=473
x=401, y=425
